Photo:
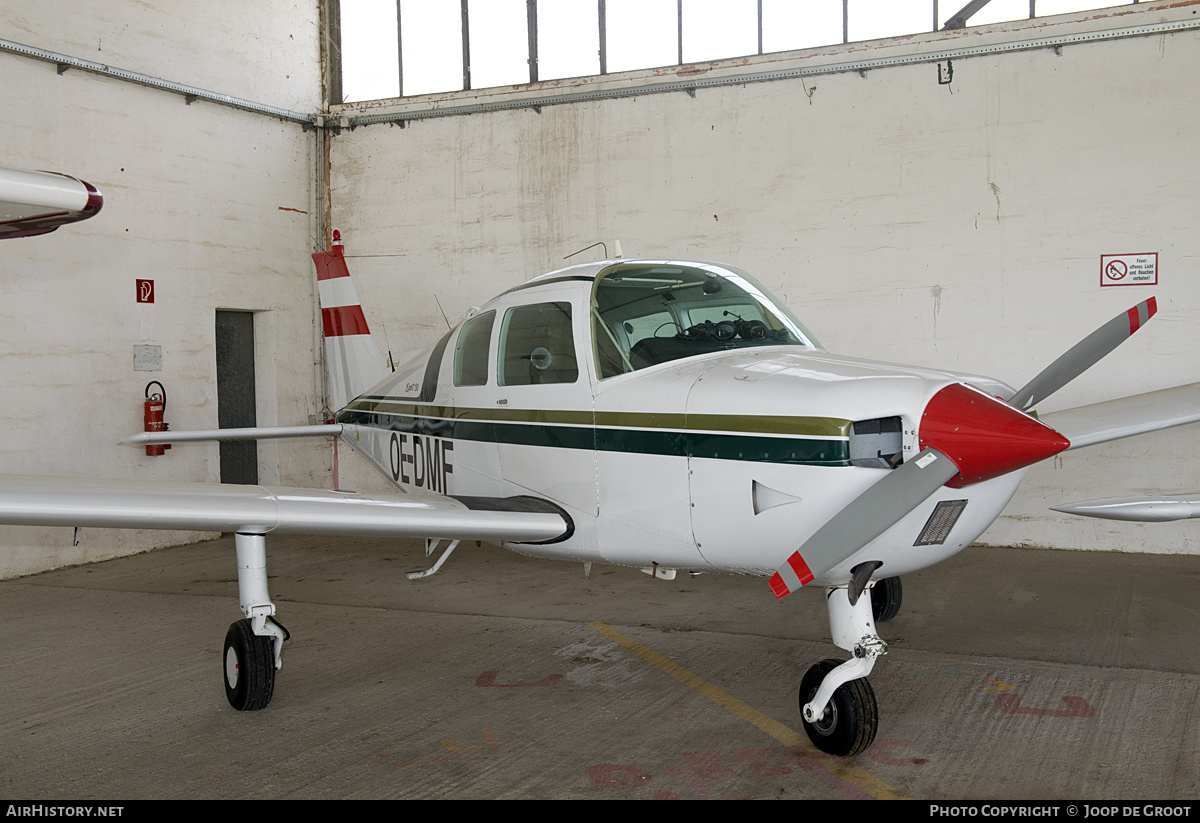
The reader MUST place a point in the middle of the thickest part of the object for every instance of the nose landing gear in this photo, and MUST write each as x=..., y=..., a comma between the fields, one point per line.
x=848, y=724
x=836, y=701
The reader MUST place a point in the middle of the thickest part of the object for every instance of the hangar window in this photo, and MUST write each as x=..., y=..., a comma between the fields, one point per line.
x=537, y=346
x=396, y=48
x=471, y=351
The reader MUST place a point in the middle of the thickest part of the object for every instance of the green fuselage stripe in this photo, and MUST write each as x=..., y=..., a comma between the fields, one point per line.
x=818, y=441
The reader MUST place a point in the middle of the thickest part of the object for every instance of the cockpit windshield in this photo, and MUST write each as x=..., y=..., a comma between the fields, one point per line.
x=645, y=314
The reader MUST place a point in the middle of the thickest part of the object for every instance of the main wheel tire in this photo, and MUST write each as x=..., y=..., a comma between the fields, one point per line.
x=886, y=596
x=848, y=724
x=248, y=664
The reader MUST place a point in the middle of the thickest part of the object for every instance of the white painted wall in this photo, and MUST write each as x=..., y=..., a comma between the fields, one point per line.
x=957, y=225
x=212, y=203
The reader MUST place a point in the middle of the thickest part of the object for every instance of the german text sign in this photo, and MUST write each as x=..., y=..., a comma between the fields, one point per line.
x=1129, y=269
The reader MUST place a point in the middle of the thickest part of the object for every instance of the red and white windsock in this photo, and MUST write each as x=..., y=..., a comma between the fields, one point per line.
x=354, y=362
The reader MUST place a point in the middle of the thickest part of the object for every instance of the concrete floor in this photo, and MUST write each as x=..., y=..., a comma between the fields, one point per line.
x=1013, y=673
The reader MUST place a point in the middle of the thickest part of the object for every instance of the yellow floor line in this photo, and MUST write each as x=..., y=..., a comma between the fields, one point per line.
x=786, y=735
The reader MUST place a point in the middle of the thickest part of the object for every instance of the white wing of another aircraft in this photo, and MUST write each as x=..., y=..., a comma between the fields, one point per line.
x=38, y=202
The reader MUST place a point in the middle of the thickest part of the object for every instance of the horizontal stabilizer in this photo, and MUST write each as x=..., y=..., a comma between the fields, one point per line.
x=1127, y=416
x=254, y=433
x=1157, y=508
x=27, y=500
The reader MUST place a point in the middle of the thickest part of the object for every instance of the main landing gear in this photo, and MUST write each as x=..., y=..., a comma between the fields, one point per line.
x=252, y=646
x=836, y=700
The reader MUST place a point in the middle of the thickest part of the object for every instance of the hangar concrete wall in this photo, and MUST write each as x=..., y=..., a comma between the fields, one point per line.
x=957, y=225
x=212, y=203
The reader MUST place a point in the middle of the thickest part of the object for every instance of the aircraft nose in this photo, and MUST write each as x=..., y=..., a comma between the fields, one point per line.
x=984, y=436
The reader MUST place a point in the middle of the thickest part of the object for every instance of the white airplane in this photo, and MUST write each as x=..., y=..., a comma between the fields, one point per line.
x=660, y=414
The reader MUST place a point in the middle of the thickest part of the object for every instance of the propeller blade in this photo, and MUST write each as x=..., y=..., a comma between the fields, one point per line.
x=870, y=514
x=1083, y=355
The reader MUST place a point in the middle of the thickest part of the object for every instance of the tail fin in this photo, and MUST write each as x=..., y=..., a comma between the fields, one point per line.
x=354, y=362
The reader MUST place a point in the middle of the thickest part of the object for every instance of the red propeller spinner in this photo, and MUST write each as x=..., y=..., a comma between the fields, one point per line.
x=984, y=436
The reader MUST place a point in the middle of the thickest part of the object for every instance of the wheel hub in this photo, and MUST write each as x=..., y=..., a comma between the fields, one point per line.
x=231, y=668
x=827, y=722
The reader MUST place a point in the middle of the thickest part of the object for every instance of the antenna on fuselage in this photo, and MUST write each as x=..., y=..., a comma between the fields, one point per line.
x=391, y=364
x=620, y=253
x=443, y=311
x=585, y=248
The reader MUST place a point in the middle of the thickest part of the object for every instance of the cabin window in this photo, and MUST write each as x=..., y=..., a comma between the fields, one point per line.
x=647, y=314
x=471, y=352
x=537, y=346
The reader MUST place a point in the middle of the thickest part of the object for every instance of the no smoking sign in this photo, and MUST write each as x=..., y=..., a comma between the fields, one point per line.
x=1129, y=269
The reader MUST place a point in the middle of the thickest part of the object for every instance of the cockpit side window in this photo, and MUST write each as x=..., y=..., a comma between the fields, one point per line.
x=471, y=351
x=537, y=346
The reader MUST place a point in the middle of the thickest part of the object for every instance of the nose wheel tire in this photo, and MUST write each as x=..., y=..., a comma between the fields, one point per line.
x=848, y=724
x=886, y=595
x=248, y=664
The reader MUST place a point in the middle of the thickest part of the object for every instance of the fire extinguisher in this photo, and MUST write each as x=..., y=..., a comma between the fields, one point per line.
x=155, y=407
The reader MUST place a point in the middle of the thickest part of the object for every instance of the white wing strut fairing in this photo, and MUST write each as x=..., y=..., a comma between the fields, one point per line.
x=1146, y=508
x=253, y=433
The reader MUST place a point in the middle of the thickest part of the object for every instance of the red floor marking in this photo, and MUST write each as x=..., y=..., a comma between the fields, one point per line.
x=488, y=680
x=1077, y=707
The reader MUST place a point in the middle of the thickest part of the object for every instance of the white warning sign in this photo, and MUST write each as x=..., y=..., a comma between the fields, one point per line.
x=1129, y=269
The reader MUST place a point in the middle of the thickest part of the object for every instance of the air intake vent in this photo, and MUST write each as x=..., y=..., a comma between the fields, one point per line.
x=877, y=443
x=944, y=516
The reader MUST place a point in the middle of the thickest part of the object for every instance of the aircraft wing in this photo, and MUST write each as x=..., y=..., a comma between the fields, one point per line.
x=38, y=202
x=1127, y=416
x=28, y=500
